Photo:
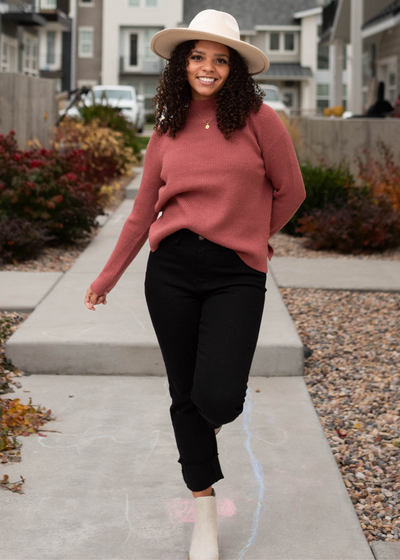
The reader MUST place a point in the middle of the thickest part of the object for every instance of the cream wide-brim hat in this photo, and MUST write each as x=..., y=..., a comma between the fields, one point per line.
x=210, y=25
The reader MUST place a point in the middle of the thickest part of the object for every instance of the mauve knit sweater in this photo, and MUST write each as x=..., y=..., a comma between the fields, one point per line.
x=237, y=192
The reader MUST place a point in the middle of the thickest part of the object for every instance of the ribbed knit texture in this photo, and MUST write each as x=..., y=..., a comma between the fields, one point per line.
x=237, y=192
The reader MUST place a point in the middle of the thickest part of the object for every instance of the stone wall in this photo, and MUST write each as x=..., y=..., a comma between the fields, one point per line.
x=28, y=106
x=339, y=140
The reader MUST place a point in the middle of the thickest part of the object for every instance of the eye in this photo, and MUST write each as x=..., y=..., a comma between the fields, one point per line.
x=198, y=56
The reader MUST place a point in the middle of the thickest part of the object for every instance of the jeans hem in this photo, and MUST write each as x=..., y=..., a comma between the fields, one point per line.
x=200, y=476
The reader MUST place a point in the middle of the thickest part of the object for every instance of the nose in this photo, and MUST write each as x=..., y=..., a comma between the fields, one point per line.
x=209, y=65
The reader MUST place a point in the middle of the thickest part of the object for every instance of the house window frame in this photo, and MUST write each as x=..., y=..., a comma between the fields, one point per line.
x=323, y=97
x=5, y=56
x=141, y=47
x=281, y=49
x=142, y=4
x=80, y=53
x=30, y=63
x=12, y=43
x=52, y=63
x=387, y=62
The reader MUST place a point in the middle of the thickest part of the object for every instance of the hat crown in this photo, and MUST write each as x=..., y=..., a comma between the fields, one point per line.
x=213, y=21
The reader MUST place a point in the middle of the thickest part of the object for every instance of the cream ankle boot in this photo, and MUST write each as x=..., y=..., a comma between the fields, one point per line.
x=205, y=538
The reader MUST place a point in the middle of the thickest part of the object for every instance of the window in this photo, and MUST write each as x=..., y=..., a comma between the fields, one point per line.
x=27, y=54
x=274, y=41
x=34, y=56
x=113, y=94
x=289, y=41
x=322, y=96
x=282, y=42
x=270, y=94
x=51, y=47
x=323, y=57
x=344, y=96
x=45, y=5
x=143, y=3
x=30, y=55
x=149, y=93
x=133, y=48
x=86, y=42
x=5, y=62
x=288, y=98
x=148, y=35
x=387, y=73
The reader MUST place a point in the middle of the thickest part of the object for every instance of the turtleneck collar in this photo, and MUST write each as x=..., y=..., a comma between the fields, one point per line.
x=204, y=103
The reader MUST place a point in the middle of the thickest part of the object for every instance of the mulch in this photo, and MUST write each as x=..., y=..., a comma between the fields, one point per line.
x=353, y=379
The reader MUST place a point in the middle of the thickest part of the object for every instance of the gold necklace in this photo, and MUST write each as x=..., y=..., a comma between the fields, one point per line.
x=207, y=123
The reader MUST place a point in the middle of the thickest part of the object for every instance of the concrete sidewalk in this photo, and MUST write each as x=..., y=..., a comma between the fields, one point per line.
x=336, y=274
x=107, y=484
x=62, y=336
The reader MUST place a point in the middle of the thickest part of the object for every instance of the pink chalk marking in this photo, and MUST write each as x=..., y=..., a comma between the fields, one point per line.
x=182, y=511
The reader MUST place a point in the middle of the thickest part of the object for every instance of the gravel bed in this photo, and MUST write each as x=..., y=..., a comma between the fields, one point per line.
x=288, y=246
x=61, y=257
x=353, y=379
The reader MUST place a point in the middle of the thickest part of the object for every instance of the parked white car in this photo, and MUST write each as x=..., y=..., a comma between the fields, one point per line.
x=119, y=96
x=274, y=99
x=124, y=97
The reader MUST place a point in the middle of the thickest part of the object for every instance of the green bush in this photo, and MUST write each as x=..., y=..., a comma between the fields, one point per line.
x=151, y=118
x=111, y=117
x=323, y=185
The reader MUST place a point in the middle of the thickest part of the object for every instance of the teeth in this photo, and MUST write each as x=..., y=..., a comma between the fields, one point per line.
x=207, y=79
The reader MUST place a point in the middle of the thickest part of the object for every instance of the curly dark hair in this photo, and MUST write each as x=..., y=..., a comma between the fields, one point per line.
x=239, y=95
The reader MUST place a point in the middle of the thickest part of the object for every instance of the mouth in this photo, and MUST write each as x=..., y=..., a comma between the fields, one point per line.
x=206, y=81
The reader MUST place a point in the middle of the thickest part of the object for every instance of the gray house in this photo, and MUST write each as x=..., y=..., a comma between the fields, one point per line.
x=371, y=32
x=288, y=32
x=35, y=39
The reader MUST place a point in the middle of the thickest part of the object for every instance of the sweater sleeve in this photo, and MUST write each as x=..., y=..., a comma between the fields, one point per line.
x=281, y=167
x=136, y=227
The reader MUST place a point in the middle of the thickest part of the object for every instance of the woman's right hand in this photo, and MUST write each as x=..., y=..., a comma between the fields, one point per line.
x=92, y=299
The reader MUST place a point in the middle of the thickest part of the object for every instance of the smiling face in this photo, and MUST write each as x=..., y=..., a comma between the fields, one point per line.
x=207, y=60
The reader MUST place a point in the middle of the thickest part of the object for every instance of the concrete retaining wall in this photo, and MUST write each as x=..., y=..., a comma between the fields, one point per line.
x=341, y=139
x=27, y=105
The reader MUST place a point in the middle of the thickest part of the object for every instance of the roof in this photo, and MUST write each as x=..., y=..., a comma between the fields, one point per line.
x=256, y=12
x=389, y=11
x=287, y=71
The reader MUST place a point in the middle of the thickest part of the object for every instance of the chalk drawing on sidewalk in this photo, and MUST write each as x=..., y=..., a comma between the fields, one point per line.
x=183, y=511
x=258, y=474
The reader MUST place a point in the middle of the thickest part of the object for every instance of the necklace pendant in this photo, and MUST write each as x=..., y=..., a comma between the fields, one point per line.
x=207, y=126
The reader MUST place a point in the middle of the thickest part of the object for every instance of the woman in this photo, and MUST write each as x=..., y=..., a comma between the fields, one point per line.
x=226, y=179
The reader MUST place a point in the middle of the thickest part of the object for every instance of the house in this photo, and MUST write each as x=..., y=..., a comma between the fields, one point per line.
x=36, y=39
x=113, y=42
x=113, y=37
x=288, y=32
x=371, y=32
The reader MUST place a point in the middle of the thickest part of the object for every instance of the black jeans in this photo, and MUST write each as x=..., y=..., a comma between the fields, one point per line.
x=206, y=306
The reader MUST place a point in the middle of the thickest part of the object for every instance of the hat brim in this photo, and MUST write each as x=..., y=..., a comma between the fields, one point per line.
x=165, y=41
